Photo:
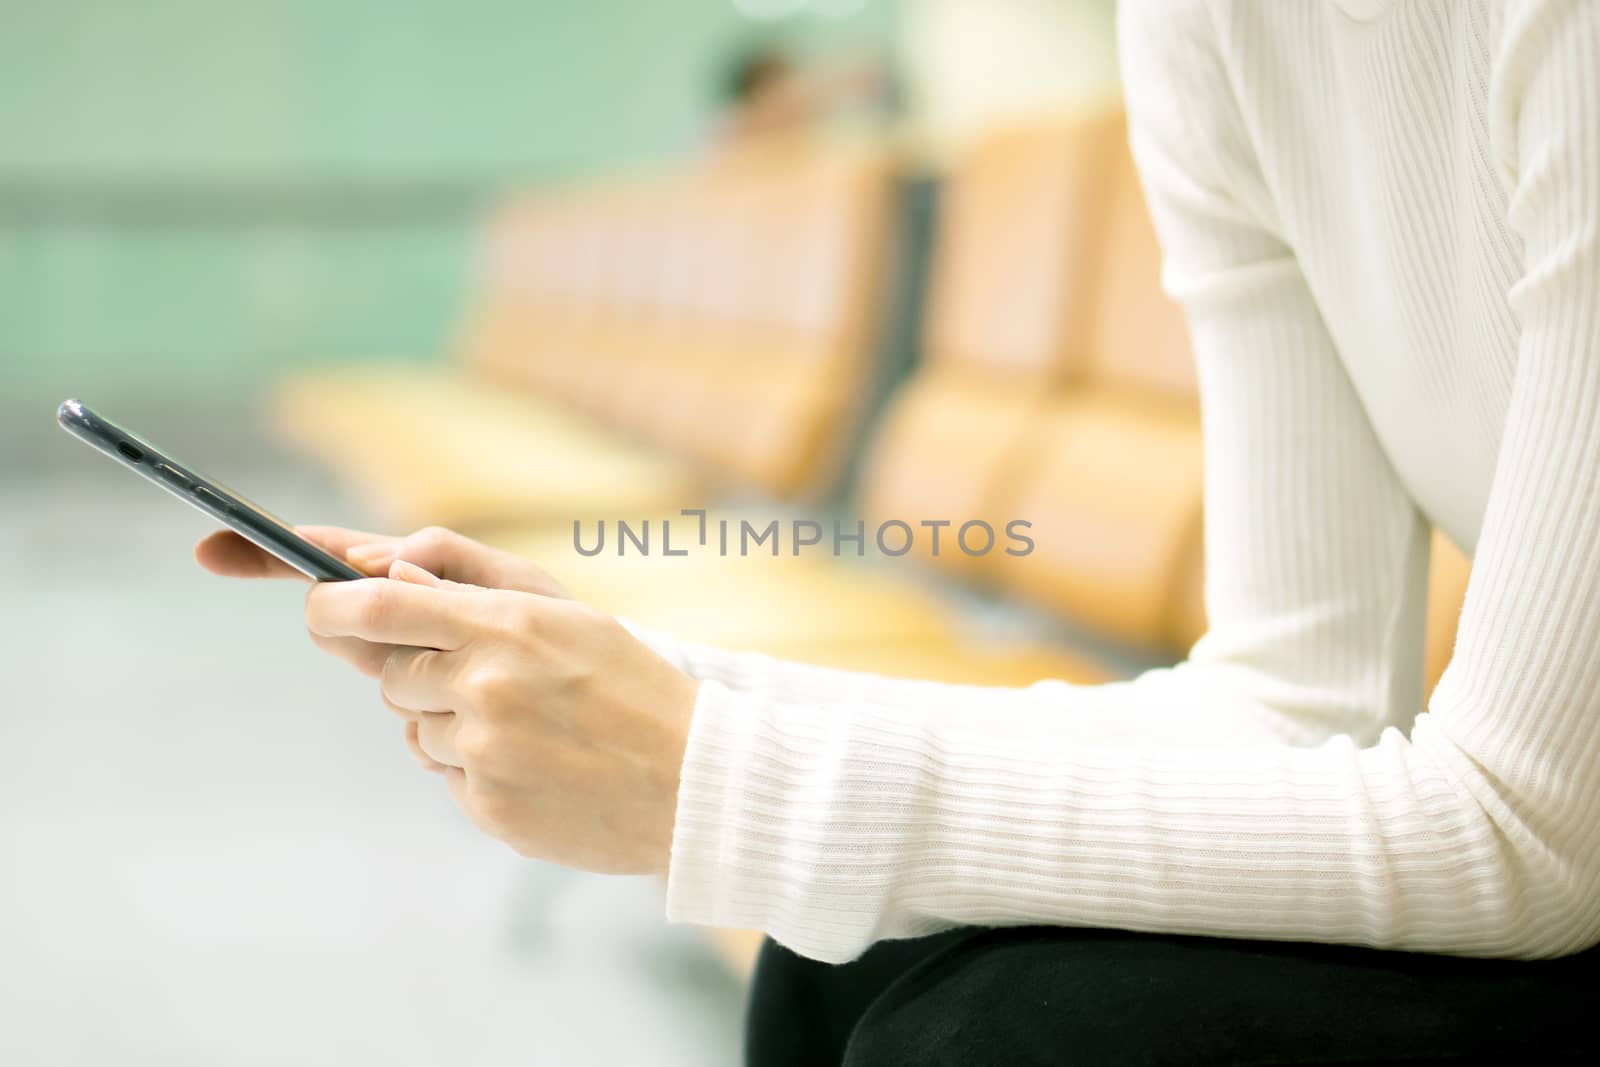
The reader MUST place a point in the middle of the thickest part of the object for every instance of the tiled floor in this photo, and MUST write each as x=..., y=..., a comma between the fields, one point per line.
x=215, y=850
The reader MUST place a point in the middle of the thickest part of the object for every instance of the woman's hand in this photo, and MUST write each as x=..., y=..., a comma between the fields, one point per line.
x=435, y=549
x=557, y=731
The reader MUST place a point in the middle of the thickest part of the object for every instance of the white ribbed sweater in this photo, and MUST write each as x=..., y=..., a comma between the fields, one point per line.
x=1384, y=224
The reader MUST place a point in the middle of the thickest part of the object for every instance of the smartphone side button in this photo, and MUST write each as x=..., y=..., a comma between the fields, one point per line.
x=210, y=499
x=171, y=477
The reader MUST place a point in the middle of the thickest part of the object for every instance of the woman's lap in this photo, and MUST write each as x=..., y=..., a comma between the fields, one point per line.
x=1045, y=995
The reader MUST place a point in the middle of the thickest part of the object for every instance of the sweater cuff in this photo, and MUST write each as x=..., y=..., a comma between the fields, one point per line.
x=748, y=850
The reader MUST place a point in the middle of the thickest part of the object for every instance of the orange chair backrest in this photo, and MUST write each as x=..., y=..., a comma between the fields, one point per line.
x=1017, y=250
x=1111, y=475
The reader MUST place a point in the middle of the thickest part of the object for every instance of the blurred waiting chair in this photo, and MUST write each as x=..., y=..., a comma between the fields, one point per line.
x=1019, y=253
x=612, y=325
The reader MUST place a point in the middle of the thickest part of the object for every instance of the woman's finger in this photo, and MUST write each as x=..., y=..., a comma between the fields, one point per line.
x=456, y=779
x=421, y=679
x=436, y=734
x=452, y=557
x=408, y=714
x=405, y=571
x=364, y=656
x=392, y=613
x=226, y=553
x=425, y=761
x=469, y=799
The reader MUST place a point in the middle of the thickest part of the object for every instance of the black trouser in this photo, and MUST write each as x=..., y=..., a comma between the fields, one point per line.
x=1043, y=995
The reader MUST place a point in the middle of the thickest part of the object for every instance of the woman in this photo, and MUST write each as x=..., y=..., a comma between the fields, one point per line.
x=1384, y=223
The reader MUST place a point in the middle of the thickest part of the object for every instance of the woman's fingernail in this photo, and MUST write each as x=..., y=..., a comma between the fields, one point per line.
x=410, y=572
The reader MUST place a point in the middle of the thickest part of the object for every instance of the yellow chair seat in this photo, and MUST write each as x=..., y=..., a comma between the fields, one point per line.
x=436, y=447
x=844, y=614
x=757, y=602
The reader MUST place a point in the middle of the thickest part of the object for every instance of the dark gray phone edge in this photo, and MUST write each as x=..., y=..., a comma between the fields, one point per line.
x=198, y=491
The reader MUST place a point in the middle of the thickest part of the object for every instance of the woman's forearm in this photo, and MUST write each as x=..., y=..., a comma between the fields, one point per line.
x=832, y=831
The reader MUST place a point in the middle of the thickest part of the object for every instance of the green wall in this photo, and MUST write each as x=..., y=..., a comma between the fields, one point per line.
x=211, y=191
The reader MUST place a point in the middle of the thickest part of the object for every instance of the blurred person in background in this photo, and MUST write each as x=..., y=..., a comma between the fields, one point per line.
x=767, y=91
x=1384, y=223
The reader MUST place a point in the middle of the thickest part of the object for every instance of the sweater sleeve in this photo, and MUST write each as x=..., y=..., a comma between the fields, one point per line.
x=1475, y=833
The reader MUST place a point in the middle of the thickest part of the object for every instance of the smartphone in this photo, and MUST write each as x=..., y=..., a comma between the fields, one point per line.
x=211, y=497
